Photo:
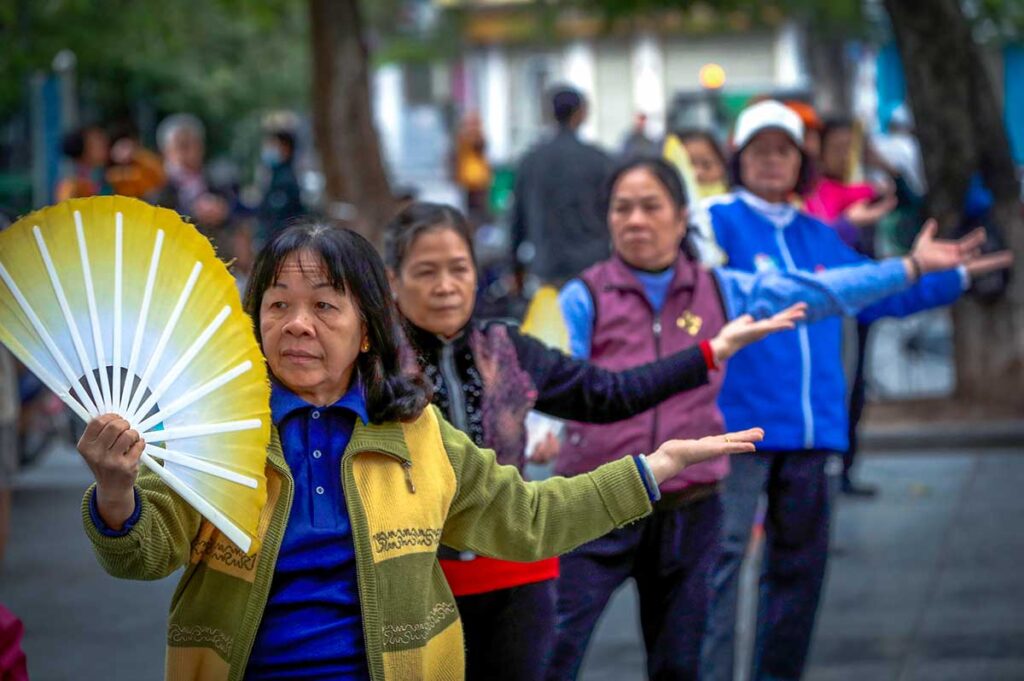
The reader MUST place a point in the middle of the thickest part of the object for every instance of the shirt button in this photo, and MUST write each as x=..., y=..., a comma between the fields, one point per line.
x=319, y=490
x=315, y=415
x=316, y=453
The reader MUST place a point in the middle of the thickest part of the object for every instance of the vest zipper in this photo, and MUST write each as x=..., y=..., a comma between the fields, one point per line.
x=656, y=329
x=456, y=398
x=804, y=340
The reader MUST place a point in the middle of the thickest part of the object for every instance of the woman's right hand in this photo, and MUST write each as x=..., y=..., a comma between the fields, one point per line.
x=675, y=455
x=744, y=330
x=111, y=449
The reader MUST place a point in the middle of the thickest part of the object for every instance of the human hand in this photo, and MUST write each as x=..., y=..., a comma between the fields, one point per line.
x=867, y=212
x=744, y=330
x=546, y=450
x=675, y=455
x=934, y=255
x=111, y=449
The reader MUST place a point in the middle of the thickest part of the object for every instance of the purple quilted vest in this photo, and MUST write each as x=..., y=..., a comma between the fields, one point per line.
x=627, y=334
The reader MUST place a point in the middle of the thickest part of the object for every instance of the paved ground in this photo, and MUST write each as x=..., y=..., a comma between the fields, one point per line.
x=925, y=584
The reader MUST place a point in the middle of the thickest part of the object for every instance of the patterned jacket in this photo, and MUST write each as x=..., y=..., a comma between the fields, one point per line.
x=408, y=487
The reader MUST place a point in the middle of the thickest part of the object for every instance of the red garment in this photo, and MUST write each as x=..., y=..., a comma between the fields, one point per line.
x=830, y=198
x=13, y=666
x=481, y=574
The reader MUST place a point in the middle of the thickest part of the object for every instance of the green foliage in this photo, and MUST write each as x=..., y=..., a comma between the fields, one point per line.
x=224, y=60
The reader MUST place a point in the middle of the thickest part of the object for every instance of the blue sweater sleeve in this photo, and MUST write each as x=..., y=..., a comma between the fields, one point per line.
x=105, y=530
x=934, y=290
x=578, y=312
x=838, y=291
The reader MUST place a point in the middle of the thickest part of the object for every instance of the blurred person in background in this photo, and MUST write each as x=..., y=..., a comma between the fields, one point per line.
x=710, y=166
x=134, y=170
x=282, y=198
x=558, y=229
x=472, y=170
x=88, y=149
x=636, y=141
x=794, y=384
x=9, y=407
x=189, y=190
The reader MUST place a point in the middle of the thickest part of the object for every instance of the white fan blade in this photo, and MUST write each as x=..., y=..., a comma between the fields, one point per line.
x=221, y=521
x=186, y=459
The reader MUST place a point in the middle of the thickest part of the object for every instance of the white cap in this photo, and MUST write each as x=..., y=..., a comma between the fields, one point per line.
x=767, y=115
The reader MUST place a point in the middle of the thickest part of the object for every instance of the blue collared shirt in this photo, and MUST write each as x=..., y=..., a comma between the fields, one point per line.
x=312, y=625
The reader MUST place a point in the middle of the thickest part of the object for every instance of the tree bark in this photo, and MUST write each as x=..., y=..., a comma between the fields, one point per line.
x=961, y=131
x=343, y=126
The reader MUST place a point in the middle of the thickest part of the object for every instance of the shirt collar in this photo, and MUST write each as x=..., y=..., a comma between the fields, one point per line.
x=779, y=214
x=284, y=402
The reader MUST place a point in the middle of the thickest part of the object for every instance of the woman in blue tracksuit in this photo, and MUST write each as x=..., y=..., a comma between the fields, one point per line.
x=793, y=385
x=649, y=300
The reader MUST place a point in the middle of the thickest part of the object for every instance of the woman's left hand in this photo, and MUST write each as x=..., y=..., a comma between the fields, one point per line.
x=744, y=330
x=675, y=455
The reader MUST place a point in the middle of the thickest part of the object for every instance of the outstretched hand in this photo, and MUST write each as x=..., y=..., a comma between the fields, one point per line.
x=744, y=330
x=675, y=455
x=934, y=255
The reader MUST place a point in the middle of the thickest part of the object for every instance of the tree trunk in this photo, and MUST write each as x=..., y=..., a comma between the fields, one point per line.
x=343, y=125
x=961, y=131
x=831, y=72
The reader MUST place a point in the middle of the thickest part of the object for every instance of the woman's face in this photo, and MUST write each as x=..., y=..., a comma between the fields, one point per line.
x=647, y=228
x=435, y=285
x=706, y=164
x=835, y=153
x=770, y=165
x=311, y=332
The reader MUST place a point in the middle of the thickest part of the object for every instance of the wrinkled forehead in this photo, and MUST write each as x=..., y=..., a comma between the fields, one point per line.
x=308, y=266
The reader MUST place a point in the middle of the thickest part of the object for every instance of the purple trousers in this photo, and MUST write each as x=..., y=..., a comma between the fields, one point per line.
x=670, y=555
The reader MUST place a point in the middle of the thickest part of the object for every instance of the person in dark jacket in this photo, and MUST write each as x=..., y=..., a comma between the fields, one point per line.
x=486, y=378
x=557, y=226
x=282, y=201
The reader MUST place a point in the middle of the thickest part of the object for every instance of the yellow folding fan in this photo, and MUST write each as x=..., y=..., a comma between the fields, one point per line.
x=121, y=307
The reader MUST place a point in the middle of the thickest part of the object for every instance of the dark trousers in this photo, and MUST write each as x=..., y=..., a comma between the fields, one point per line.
x=509, y=633
x=793, y=567
x=857, y=397
x=669, y=554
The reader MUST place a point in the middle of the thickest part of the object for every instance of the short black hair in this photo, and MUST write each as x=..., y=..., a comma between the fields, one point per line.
x=419, y=218
x=352, y=266
x=565, y=102
x=663, y=171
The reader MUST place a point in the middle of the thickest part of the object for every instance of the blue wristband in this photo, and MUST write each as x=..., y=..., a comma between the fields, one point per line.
x=647, y=475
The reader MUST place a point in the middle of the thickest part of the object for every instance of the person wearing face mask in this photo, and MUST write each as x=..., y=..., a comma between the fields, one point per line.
x=486, y=377
x=282, y=200
x=793, y=383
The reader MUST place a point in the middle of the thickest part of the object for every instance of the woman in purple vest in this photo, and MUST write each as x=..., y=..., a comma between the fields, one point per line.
x=652, y=299
x=486, y=378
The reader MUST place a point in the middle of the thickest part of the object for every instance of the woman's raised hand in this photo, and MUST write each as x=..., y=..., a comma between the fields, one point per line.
x=744, y=330
x=934, y=255
x=675, y=455
x=111, y=449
